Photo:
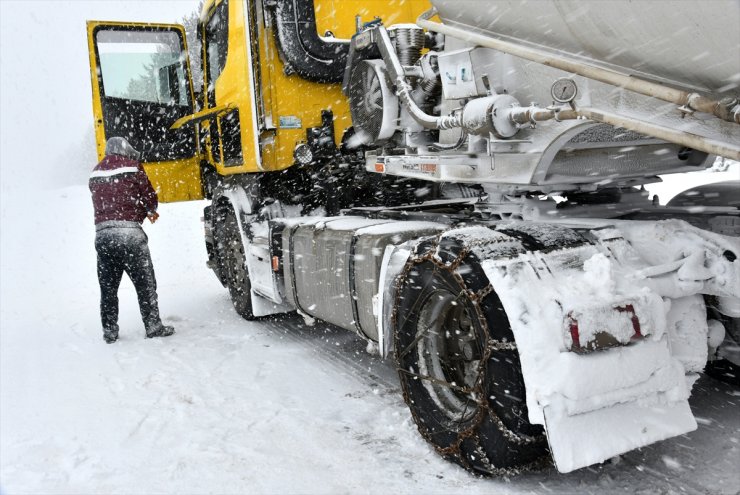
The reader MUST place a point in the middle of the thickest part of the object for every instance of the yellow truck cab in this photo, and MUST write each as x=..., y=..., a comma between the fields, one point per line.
x=257, y=101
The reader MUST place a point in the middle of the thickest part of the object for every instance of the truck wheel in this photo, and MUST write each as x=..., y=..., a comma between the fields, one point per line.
x=232, y=259
x=723, y=369
x=459, y=367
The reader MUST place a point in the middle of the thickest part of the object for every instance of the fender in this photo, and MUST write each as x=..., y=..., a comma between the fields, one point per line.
x=242, y=202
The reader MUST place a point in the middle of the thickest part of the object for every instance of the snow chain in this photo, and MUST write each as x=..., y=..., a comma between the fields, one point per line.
x=479, y=389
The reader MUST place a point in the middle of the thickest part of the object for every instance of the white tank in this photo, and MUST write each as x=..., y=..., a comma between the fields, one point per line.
x=692, y=45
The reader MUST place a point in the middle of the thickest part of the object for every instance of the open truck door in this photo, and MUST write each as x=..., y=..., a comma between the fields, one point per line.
x=141, y=86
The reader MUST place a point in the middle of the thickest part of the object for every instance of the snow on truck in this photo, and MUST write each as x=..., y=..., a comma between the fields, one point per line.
x=459, y=182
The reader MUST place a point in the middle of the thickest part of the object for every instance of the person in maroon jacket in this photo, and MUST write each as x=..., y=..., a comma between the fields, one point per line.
x=123, y=197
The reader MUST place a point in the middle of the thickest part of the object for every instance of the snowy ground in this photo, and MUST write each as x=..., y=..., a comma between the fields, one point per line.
x=229, y=406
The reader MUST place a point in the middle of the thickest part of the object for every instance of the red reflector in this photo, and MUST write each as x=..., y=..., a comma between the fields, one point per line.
x=380, y=167
x=601, y=338
x=275, y=264
x=575, y=337
x=635, y=320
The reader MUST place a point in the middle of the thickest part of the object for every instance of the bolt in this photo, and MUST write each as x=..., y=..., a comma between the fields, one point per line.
x=468, y=351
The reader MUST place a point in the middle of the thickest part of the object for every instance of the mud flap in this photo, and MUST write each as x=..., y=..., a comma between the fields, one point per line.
x=580, y=440
x=595, y=402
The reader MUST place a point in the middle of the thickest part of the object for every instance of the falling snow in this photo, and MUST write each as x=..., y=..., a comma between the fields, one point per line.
x=225, y=405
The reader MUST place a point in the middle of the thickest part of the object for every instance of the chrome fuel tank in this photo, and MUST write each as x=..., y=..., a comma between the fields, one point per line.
x=332, y=267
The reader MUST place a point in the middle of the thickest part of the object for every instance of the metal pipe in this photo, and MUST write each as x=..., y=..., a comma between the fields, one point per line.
x=525, y=115
x=724, y=109
x=388, y=53
x=403, y=90
x=711, y=146
x=533, y=114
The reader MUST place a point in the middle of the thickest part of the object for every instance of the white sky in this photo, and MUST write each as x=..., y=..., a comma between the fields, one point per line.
x=45, y=93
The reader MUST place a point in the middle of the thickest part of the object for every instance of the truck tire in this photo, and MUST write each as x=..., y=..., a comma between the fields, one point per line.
x=725, y=370
x=232, y=261
x=459, y=367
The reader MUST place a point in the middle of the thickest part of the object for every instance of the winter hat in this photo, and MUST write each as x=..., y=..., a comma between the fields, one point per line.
x=119, y=146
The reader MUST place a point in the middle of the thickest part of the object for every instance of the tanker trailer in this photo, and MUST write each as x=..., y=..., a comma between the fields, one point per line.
x=570, y=104
x=465, y=193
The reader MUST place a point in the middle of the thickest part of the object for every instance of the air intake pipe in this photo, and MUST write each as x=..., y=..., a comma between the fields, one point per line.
x=303, y=51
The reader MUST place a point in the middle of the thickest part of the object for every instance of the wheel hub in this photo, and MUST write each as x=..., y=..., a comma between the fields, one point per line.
x=449, y=355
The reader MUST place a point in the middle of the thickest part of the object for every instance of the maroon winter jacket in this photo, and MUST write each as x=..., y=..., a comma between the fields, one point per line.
x=121, y=190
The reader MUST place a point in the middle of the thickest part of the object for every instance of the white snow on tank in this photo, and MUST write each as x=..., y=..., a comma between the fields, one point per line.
x=685, y=43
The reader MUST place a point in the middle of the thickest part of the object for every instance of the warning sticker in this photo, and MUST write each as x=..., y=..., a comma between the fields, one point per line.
x=290, y=122
x=424, y=168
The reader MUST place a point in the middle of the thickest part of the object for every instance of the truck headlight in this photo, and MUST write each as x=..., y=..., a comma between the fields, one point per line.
x=303, y=154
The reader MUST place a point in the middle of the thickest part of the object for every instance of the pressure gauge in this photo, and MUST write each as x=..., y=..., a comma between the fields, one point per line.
x=564, y=90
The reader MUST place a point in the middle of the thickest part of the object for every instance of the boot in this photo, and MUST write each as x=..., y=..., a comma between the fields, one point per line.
x=110, y=335
x=160, y=331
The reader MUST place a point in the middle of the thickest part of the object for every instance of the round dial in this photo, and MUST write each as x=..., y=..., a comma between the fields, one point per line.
x=564, y=90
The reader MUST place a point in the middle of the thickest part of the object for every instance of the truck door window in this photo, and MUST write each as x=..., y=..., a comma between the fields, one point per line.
x=142, y=66
x=217, y=35
x=145, y=88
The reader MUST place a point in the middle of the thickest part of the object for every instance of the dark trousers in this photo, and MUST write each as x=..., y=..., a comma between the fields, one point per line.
x=125, y=249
